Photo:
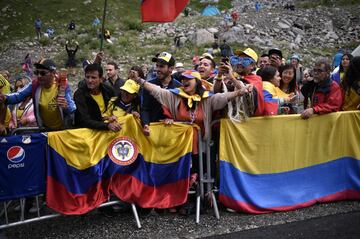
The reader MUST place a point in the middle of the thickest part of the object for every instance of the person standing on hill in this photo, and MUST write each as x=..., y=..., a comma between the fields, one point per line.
x=71, y=62
x=38, y=25
x=71, y=25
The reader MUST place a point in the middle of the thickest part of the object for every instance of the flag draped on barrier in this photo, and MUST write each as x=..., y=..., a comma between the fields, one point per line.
x=161, y=11
x=284, y=163
x=81, y=174
x=22, y=166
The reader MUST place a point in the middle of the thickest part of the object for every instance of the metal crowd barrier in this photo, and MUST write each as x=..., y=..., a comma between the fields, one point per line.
x=210, y=180
x=22, y=201
x=200, y=191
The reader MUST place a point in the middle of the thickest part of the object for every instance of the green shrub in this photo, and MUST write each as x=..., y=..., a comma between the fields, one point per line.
x=45, y=41
x=133, y=24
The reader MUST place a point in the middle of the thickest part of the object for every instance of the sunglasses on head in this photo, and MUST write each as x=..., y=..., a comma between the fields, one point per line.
x=41, y=73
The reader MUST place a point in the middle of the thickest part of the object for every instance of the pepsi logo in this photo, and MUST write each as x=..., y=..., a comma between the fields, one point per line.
x=16, y=154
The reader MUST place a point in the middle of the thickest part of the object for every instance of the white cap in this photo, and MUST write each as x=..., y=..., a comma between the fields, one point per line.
x=179, y=64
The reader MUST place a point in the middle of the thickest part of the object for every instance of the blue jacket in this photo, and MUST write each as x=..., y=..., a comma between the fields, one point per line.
x=34, y=89
x=37, y=23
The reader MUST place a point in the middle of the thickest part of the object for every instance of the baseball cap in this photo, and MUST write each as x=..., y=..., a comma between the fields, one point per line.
x=276, y=52
x=191, y=74
x=46, y=64
x=207, y=55
x=249, y=52
x=131, y=87
x=179, y=64
x=295, y=56
x=165, y=58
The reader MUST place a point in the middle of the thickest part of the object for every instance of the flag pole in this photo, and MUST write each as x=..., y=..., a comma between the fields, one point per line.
x=103, y=26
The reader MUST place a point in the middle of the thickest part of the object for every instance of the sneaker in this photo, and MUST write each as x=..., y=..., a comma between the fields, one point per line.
x=230, y=210
x=34, y=208
x=28, y=205
x=188, y=208
x=17, y=208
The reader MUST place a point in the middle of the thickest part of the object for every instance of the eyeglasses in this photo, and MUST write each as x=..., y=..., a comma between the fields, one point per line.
x=41, y=73
x=318, y=70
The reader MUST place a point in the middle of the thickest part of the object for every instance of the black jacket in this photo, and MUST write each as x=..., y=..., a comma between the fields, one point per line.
x=151, y=109
x=116, y=87
x=88, y=113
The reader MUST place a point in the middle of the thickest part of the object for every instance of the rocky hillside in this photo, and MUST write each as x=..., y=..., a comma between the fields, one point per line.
x=310, y=32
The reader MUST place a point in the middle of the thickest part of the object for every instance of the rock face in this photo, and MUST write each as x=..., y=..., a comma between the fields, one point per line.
x=298, y=31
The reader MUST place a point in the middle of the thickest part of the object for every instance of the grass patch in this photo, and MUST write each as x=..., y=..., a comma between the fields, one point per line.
x=198, y=6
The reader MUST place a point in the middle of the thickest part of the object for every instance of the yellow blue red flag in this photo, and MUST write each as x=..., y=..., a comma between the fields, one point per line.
x=81, y=172
x=283, y=163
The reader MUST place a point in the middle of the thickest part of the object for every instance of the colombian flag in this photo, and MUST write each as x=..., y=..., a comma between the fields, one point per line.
x=81, y=174
x=161, y=10
x=283, y=163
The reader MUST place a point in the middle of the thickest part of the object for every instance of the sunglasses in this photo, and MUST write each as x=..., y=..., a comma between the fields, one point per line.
x=41, y=73
x=244, y=61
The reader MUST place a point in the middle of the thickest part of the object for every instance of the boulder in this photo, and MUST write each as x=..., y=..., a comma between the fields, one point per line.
x=213, y=30
x=331, y=35
x=328, y=26
x=202, y=36
x=283, y=25
x=235, y=34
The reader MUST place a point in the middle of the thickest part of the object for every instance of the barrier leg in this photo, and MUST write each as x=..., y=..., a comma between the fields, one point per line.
x=22, y=209
x=5, y=212
x=216, y=209
x=133, y=207
x=37, y=205
x=198, y=199
x=201, y=166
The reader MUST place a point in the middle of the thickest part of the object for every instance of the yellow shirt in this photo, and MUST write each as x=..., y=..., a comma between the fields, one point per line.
x=342, y=74
x=49, y=110
x=114, y=110
x=7, y=117
x=352, y=100
x=19, y=113
x=100, y=102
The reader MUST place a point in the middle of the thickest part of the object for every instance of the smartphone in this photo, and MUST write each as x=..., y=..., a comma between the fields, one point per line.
x=225, y=60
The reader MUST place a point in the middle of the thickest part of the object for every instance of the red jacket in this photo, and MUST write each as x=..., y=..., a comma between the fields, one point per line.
x=257, y=82
x=327, y=99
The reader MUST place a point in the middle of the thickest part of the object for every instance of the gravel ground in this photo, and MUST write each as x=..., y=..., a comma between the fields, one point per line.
x=97, y=225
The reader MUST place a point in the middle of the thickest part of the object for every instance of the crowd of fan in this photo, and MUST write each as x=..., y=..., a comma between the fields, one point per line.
x=254, y=87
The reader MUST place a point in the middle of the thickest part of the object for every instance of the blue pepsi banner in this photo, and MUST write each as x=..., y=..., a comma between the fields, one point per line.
x=22, y=166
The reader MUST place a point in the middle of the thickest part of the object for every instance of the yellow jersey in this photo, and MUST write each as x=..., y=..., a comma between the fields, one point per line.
x=100, y=102
x=48, y=107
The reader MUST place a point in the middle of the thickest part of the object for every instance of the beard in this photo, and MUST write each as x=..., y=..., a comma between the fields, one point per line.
x=161, y=75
